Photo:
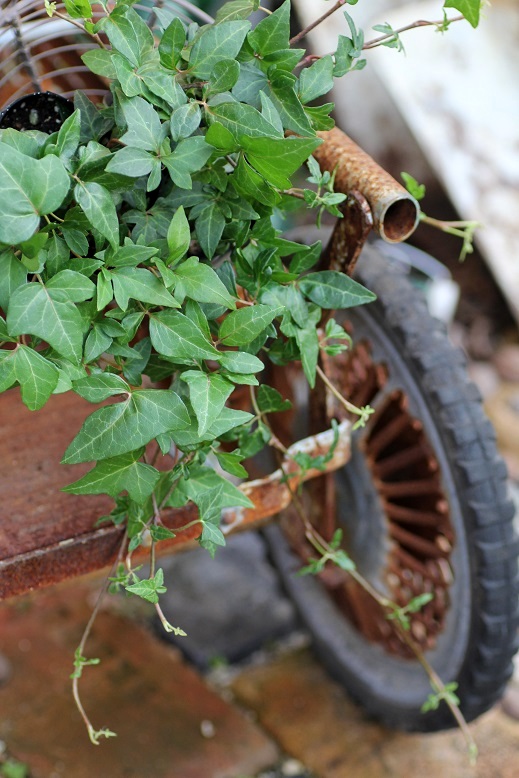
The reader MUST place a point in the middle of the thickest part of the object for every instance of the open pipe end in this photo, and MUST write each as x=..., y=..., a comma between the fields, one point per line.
x=396, y=218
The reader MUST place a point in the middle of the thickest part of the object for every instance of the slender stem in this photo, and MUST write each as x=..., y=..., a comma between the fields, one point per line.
x=317, y=22
x=343, y=401
x=265, y=10
x=81, y=27
x=419, y=23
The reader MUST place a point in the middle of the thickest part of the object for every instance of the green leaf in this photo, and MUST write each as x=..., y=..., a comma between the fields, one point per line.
x=33, y=311
x=78, y=9
x=308, y=344
x=230, y=462
x=278, y=158
x=469, y=8
x=30, y=189
x=317, y=80
x=214, y=43
x=203, y=481
x=224, y=76
x=7, y=363
x=330, y=289
x=211, y=537
x=145, y=130
x=99, y=386
x=99, y=61
x=171, y=43
x=178, y=235
x=241, y=327
x=117, y=474
x=241, y=119
x=149, y=589
x=96, y=343
x=131, y=162
x=12, y=275
x=189, y=156
x=137, y=283
x=209, y=228
x=288, y=105
x=413, y=187
x=68, y=285
x=236, y=9
x=208, y=393
x=128, y=425
x=273, y=32
x=185, y=120
x=128, y=34
x=221, y=138
x=270, y=401
x=174, y=335
x=240, y=362
x=68, y=136
x=97, y=204
x=251, y=185
x=160, y=83
x=36, y=375
x=201, y=283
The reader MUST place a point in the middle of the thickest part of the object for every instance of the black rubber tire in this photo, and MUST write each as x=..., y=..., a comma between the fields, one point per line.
x=476, y=647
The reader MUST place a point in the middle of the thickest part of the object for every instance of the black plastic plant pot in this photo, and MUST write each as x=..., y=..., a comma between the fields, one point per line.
x=44, y=111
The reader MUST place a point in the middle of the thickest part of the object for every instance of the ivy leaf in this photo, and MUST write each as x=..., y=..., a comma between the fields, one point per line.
x=185, y=120
x=150, y=588
x=99, y=386
x=172, y=42
x=224, y=76
x=205, y=481
x=68, y=136
x=100, y=62
x=209, y=228
x=230, y=462
x=253, y=186
x=78, y=9
x=33, y=311
x=308, y=344
x=36, y=375
x=189, y=156
x=469, y=8
x=236, y=9
x=240, y=362
x=174, y=335
x=241, y=119
x=241, y=327
x=278, y=158
x=330, y=289
x=117, y=474
x=201, y=283
x=137, y=283
x=208, y=393
x=12, y=275
x=270, y=401
x=317, y=80
x=69, y=285
x=97, y=204
x=128, y=34
x=211, y=537
x=281, y=92
x=214, y=43
x=131, y=162
x=30, y=188
x=272, y=33
x=145, y=130
x=128, y=425
x=179, y=235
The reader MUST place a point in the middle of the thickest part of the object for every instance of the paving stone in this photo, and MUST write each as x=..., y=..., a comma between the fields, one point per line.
x=230, y=605
x=159, y=707
x=314, y=721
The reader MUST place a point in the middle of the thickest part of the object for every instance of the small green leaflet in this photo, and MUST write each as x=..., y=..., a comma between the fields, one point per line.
x=273, y=32
x=145, y=130
x=72, y=286
x=117, y=474
x=131, y=161
x=137, y=283
x=270, y=401
x=99, y=386
x=241, y=327
x=224, y=76
x=149, y=589
x=237, y=9
x=97, y=204
x=200, y=282
x=308, y=344
x=214, y=43
x=78, y=9
x=330, y=289
x=316, y=80
x=204, y=480
x=128, y=34
x=230, y=462
x=178, y=235
x=30, y=188
x=189, y=156
x=241, y=119
x=240, y=362
x=176, y=336
x=12, y=275
x=34, y=311
x=185, y=120
x=209, y=228
x=278, y=158
x=208, y=393
x=469, y=8
x=68, y=136
x=125, y=426
x=36, y=375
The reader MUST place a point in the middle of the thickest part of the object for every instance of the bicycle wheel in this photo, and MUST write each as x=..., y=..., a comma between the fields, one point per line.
x=424, y=508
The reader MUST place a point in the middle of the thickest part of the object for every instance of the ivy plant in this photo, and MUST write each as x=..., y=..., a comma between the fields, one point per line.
x=141, y=265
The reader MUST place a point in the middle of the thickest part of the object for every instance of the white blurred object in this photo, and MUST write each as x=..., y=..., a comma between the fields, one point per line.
x=459, y=95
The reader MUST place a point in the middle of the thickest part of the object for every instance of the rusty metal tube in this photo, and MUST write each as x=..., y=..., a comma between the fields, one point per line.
x=395, y=211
